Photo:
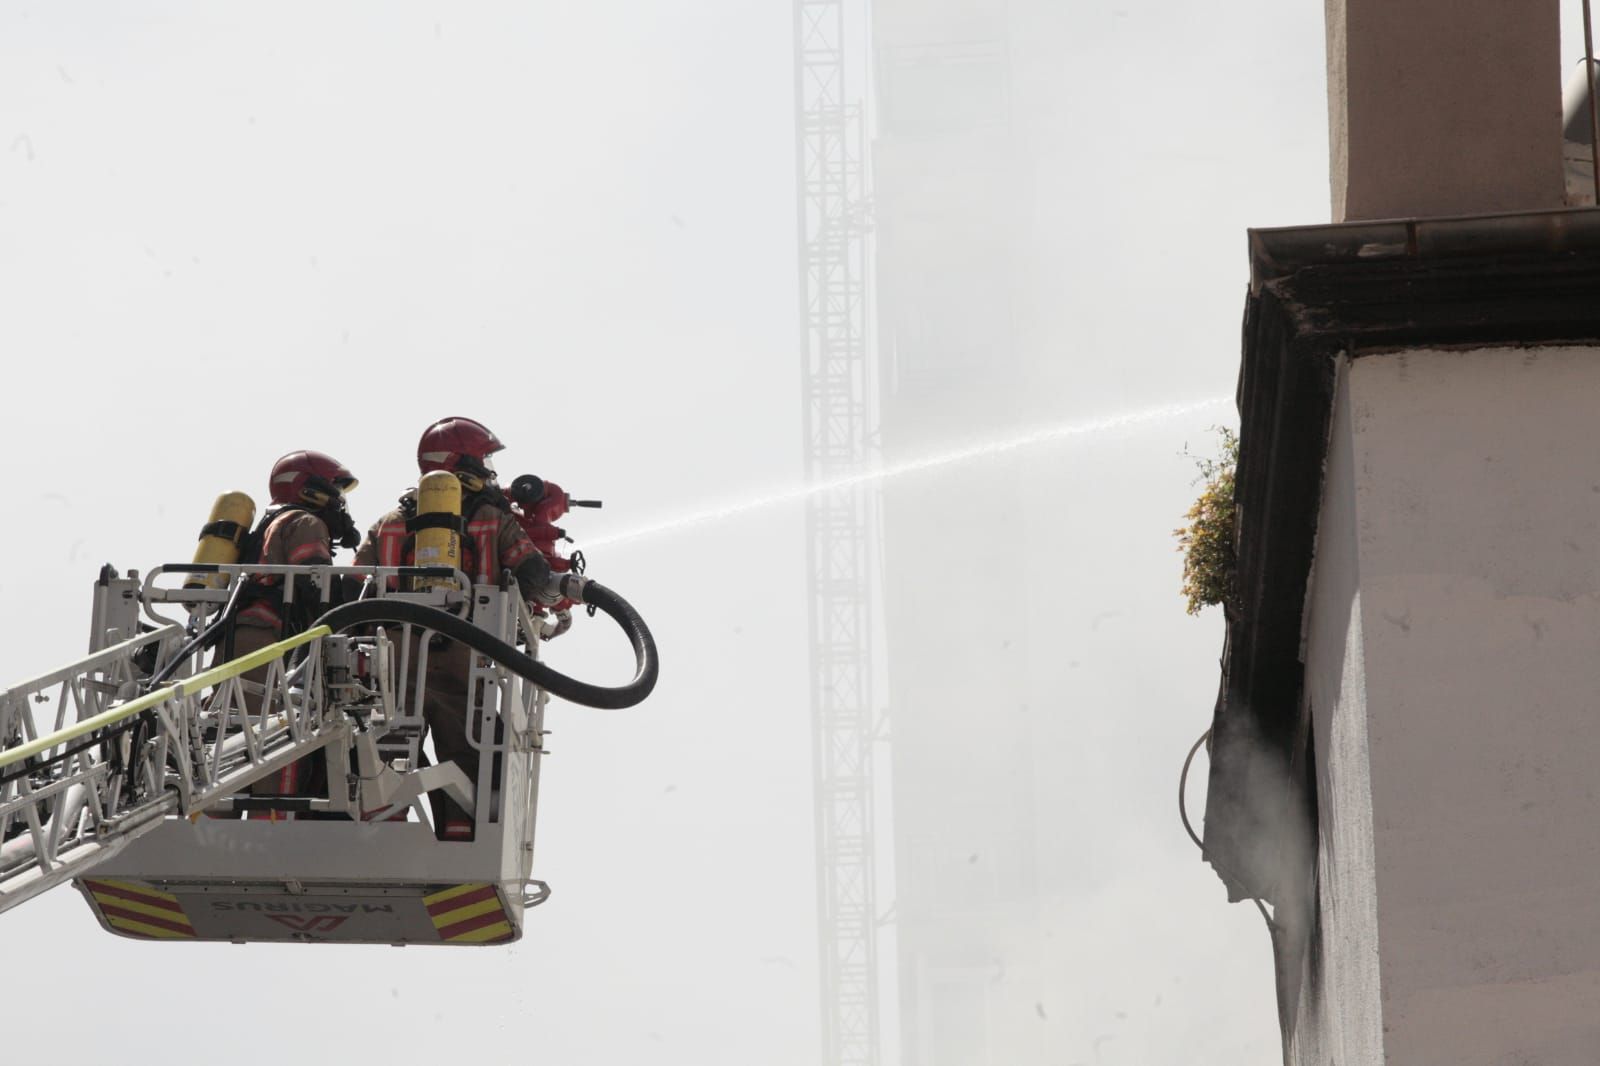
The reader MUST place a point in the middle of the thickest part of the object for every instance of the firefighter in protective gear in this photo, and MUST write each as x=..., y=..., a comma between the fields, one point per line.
x=492, y=542
x=307, y=520
x=537, y=504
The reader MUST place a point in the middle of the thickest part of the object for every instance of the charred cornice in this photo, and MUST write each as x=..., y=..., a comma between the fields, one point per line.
x=1316, y=293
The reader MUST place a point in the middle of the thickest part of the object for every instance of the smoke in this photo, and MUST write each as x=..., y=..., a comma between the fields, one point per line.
x=972, y=453
x=1265, y=845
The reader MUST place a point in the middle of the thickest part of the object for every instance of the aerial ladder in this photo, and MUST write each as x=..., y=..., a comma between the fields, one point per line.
x=133, y=772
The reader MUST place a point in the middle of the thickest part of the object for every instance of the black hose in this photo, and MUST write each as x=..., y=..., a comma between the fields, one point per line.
x=99, y=736
x=203, y=640
x=399, y=612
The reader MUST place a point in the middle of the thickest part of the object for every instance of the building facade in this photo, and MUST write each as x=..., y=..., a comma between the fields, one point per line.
x=1403, y=748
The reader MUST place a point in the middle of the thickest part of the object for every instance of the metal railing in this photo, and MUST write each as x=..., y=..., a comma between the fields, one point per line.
x=108, y=761
x=71, y=796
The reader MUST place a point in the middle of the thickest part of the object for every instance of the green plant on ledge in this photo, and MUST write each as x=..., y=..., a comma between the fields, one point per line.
x=1209, y=564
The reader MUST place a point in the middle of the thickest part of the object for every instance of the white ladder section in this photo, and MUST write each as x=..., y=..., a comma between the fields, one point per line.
x=115, y=763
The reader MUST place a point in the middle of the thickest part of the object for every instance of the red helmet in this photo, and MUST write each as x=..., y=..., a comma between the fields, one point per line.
x=458, y=445
x=309, y=477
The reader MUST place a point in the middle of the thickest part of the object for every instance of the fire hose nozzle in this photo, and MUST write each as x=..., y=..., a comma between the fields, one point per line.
x=560, y=587
x=527, y=490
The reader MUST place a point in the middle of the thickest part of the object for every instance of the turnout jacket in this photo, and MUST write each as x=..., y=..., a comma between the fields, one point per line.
x=296, y=537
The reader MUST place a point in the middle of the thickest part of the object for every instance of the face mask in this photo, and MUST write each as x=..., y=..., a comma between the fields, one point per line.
x=341, y=527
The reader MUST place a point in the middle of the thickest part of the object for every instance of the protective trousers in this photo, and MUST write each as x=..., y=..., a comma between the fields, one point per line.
x=446, y=705
x=286, y=781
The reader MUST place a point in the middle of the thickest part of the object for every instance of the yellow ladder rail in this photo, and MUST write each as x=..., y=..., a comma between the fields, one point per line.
x=203, y=680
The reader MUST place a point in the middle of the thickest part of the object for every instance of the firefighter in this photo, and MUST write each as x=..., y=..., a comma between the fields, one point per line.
x=537, y=505
x=492, y=542
x=307, y=520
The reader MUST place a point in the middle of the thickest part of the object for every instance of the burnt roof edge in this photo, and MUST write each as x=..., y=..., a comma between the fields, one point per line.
x=1282, y=251
x=1316, y=292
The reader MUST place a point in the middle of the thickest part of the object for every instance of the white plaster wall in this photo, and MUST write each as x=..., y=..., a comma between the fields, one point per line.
x=1476, y=491
x=1340, y=1018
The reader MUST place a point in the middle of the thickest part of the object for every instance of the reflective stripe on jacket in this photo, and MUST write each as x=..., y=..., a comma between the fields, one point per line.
x=295, y=538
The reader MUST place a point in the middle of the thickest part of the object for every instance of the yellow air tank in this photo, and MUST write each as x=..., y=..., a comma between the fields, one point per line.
x=438, y=526
x=231, y=518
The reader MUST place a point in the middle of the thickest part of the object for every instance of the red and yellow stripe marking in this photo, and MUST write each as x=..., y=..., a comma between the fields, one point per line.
x=468, y=914
x=139, y=910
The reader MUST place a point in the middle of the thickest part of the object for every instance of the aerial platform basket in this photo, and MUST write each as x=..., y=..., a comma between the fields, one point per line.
x=141, y=791
x=345, y=882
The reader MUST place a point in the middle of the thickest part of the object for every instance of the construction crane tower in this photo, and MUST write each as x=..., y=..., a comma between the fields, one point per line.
x=837, y=379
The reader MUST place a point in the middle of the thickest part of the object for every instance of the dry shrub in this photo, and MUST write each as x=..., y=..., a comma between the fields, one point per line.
x=1209, y=564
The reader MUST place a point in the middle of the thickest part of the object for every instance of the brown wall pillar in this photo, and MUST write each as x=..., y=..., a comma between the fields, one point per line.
x=1443, y=107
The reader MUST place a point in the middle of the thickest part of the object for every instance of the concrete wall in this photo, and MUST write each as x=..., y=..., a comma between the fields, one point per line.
x=1340, y=1017
x=1443, y=107
x=1454, y=684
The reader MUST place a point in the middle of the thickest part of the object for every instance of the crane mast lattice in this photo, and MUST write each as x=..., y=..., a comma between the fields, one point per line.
x=837, y=387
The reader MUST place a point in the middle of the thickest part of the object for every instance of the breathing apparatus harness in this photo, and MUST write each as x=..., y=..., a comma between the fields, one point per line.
x=487, y=493
x=334, y=514
x=342, y=533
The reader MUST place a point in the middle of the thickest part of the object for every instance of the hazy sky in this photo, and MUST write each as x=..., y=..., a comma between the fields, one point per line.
x=226, y=236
